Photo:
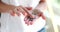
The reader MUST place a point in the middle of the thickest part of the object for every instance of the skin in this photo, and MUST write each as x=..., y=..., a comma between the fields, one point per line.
x=10, y=9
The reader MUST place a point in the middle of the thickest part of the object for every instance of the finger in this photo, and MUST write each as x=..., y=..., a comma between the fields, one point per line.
x=40, y=14
x=25, y=18
x=18, y=14
x=43, y=17
x=31, y=22
x=12, y=13
x=17, y=11
x=27, y=22
x=26, y=11
x=22, y=11
x=29, y=8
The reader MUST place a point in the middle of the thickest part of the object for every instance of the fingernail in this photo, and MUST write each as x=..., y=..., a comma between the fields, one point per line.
x=25, y=19
x=27, y=23
x=31, y=23
x=24, y=13
x=18, y=14
x=12, y=14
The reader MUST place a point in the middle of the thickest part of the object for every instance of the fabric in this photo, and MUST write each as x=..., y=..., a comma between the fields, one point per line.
x=16, y=24
x=26, y=3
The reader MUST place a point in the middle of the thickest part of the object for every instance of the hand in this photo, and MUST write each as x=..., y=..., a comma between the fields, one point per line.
x=22, y=10
x=29, y=21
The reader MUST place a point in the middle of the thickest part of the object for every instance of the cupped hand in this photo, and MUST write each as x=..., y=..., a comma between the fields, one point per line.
x=30, y=20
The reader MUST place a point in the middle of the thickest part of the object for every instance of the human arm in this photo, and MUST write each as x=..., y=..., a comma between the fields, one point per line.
x=5, y=8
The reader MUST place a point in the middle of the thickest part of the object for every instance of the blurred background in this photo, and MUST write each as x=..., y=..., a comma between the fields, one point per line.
x=56, y=10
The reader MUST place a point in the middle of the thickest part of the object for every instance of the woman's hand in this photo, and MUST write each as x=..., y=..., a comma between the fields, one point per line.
x=29, y=20
x=20, y=9
x=17, y=11
x=24, y=11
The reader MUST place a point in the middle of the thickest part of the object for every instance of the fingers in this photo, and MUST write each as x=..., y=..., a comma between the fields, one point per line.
x=12, y=13
x=23, y=11
x=19, y=10
x=41, y=15
x=26, y=10
x=30, y=22
x=29, y=8
x=15, y=12
x=27, y=21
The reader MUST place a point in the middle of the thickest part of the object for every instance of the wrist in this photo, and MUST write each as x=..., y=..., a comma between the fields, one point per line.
x=5, y=8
